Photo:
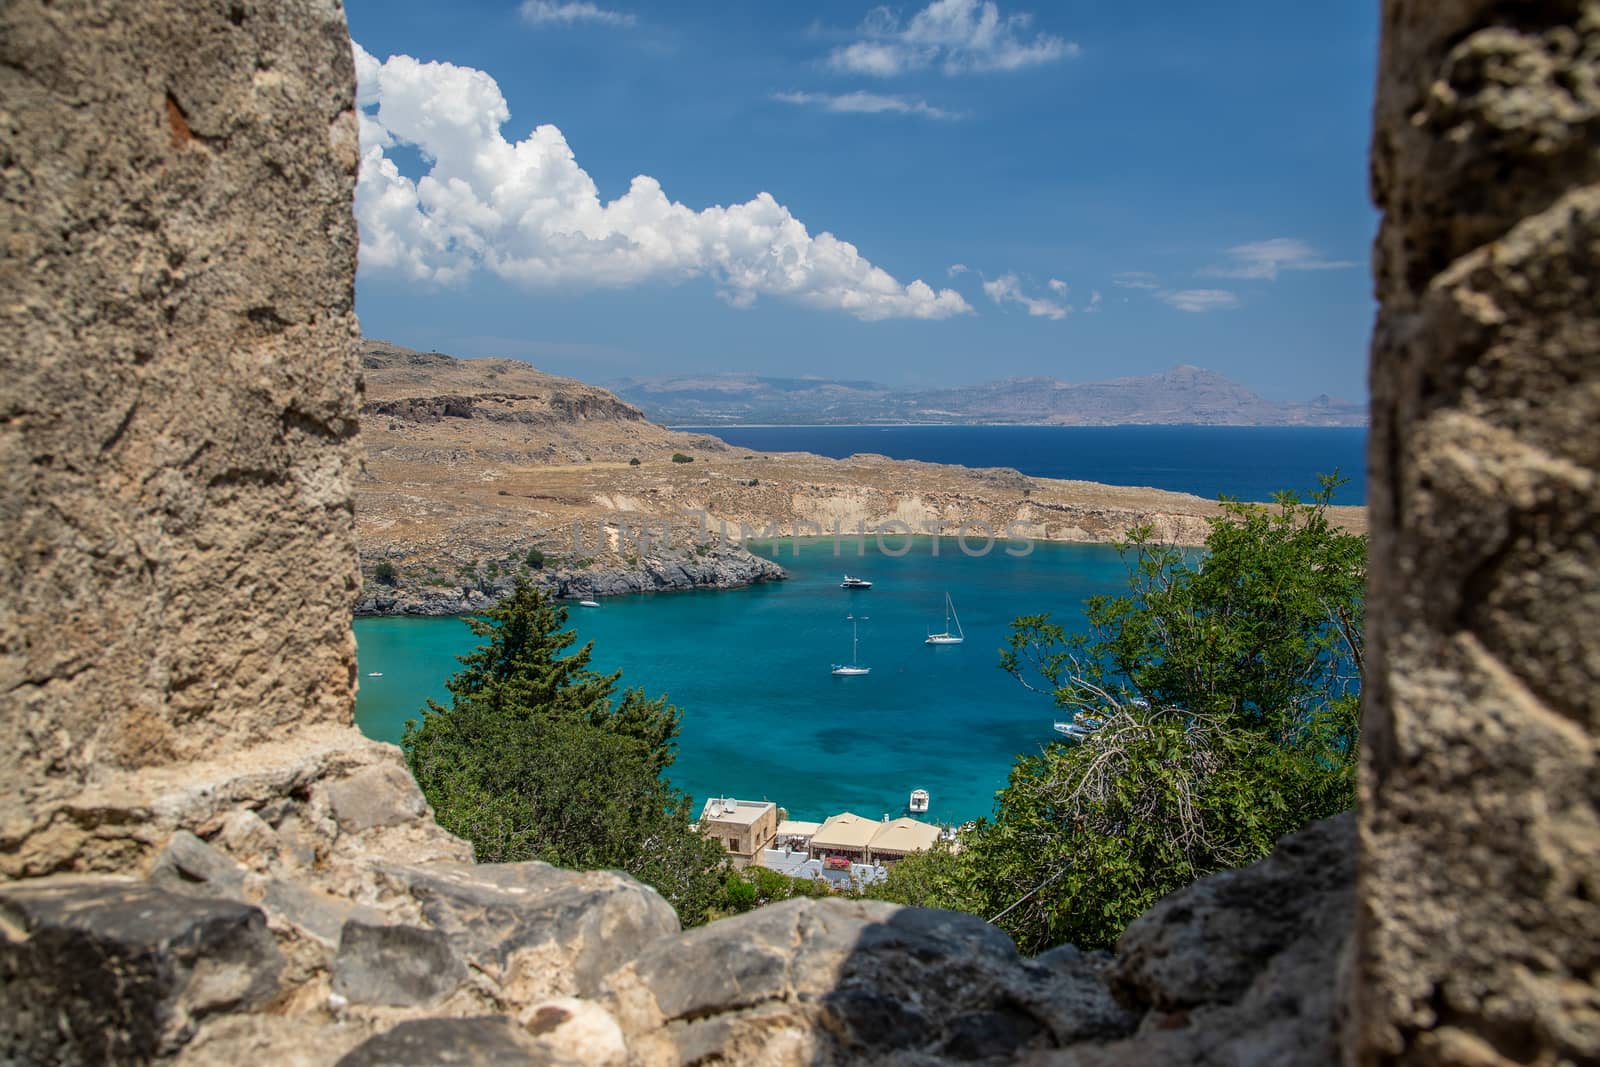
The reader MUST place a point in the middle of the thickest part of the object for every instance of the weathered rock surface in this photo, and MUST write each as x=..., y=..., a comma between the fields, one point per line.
x=537, y=931
x=179, y=417
x=396, y=965
x=481, y=1041
x=716, y=564
x=1479, y=898
x=853, y=982
x=1243, y=966
x=113, y=971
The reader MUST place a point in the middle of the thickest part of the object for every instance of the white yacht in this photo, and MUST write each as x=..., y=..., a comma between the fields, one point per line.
x=948, y=638
x=854, y=583
x=919, y=802
x=845, y=670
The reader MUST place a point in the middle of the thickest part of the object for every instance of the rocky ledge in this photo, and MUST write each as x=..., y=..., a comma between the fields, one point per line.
x=713, y=565
x=300, y=906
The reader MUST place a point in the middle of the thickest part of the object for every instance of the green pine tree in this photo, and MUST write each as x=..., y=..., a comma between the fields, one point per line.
x=538, y=757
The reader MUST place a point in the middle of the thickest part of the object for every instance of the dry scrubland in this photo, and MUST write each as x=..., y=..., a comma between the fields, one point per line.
x=471, y=463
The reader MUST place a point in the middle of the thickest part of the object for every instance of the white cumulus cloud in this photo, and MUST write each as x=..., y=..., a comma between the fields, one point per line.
x=1008, y=289
x=1135, y=279
x=1198, y=301
x=957, y=36
x=1264, y=259
x=957, y=268
x=863, y=103
x=526, y=212
x=543, y=12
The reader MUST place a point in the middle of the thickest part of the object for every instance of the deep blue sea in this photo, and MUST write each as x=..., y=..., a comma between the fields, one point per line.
x=762, y=715
x=1247, y=462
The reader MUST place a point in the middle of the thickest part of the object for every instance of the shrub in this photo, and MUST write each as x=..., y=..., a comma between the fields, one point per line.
x=634, y=462
x=534, y=559
x=679, y=457
x=385, y=573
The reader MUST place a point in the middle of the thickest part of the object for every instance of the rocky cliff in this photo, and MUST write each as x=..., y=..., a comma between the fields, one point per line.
x=472, y=464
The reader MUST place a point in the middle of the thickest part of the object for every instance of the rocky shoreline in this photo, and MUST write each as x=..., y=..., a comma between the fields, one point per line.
x=714, y=565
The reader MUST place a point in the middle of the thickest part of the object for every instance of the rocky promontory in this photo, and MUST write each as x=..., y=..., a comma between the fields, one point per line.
x=714, y=565
x=480, y=469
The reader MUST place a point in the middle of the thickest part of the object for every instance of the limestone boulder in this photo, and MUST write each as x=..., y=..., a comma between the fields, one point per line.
x=836, y=981
x=532, y=929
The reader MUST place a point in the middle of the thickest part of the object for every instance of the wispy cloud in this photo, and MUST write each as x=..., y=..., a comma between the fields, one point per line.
x=956, y=36
x=1007, y=288
x=526, y=212
x=957, y=268
x=1135, y=279
x=862, y=103
x=541, y=12
x=1057, y=286
x=1094, y=302
x=1199, y=301
x=1264, y=259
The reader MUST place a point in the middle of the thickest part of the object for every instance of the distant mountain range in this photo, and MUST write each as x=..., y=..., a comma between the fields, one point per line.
x=1184, y=395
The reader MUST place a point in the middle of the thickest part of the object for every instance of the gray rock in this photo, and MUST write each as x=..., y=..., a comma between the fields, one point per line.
x=480, y=1041
x=863, y=982
x=108, y=970
x=189, y=865
x=383, y=795
x=1243, y=967
x=400, y=966
x=537, y=930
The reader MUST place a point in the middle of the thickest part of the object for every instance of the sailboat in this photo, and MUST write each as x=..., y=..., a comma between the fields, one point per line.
x=948, y=638
x=851, y=668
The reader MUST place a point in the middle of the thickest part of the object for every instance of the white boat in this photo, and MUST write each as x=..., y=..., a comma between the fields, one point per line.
x=854, y=583
x=845, y=670
x=1081, y=726
x=588, y=603
x=948, y=638
x=374, y=674
x=919, y=801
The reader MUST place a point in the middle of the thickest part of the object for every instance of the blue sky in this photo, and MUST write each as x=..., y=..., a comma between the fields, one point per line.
x=1128, y=187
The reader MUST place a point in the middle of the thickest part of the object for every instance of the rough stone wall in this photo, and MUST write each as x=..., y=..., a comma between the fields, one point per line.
x=1479, y=894
x=180, y=383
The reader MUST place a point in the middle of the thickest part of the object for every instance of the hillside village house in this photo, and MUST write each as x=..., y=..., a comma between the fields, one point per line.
x=743, y=827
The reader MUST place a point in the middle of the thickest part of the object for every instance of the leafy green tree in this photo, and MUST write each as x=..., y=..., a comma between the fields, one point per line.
x=1218, y=703
x=385, y=572
x=537, y=757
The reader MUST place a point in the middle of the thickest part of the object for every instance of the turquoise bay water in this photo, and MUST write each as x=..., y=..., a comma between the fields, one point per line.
x=762, y=715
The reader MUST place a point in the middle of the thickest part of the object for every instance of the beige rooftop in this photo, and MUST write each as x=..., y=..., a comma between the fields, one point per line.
x=904, y=835
x=846, y=830
x=738, y=812
x=798, y=828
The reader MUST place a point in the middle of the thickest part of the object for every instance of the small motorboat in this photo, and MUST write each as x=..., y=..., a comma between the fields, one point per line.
x=588, y=603
x=374, y=674
x=919, y=801
x=854, y=583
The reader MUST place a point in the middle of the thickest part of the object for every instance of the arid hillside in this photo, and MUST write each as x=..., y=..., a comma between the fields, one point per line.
x=473, y=463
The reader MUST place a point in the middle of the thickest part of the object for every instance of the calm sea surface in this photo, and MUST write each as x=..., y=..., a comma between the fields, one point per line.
x=762, y=715
x=1247, y=462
